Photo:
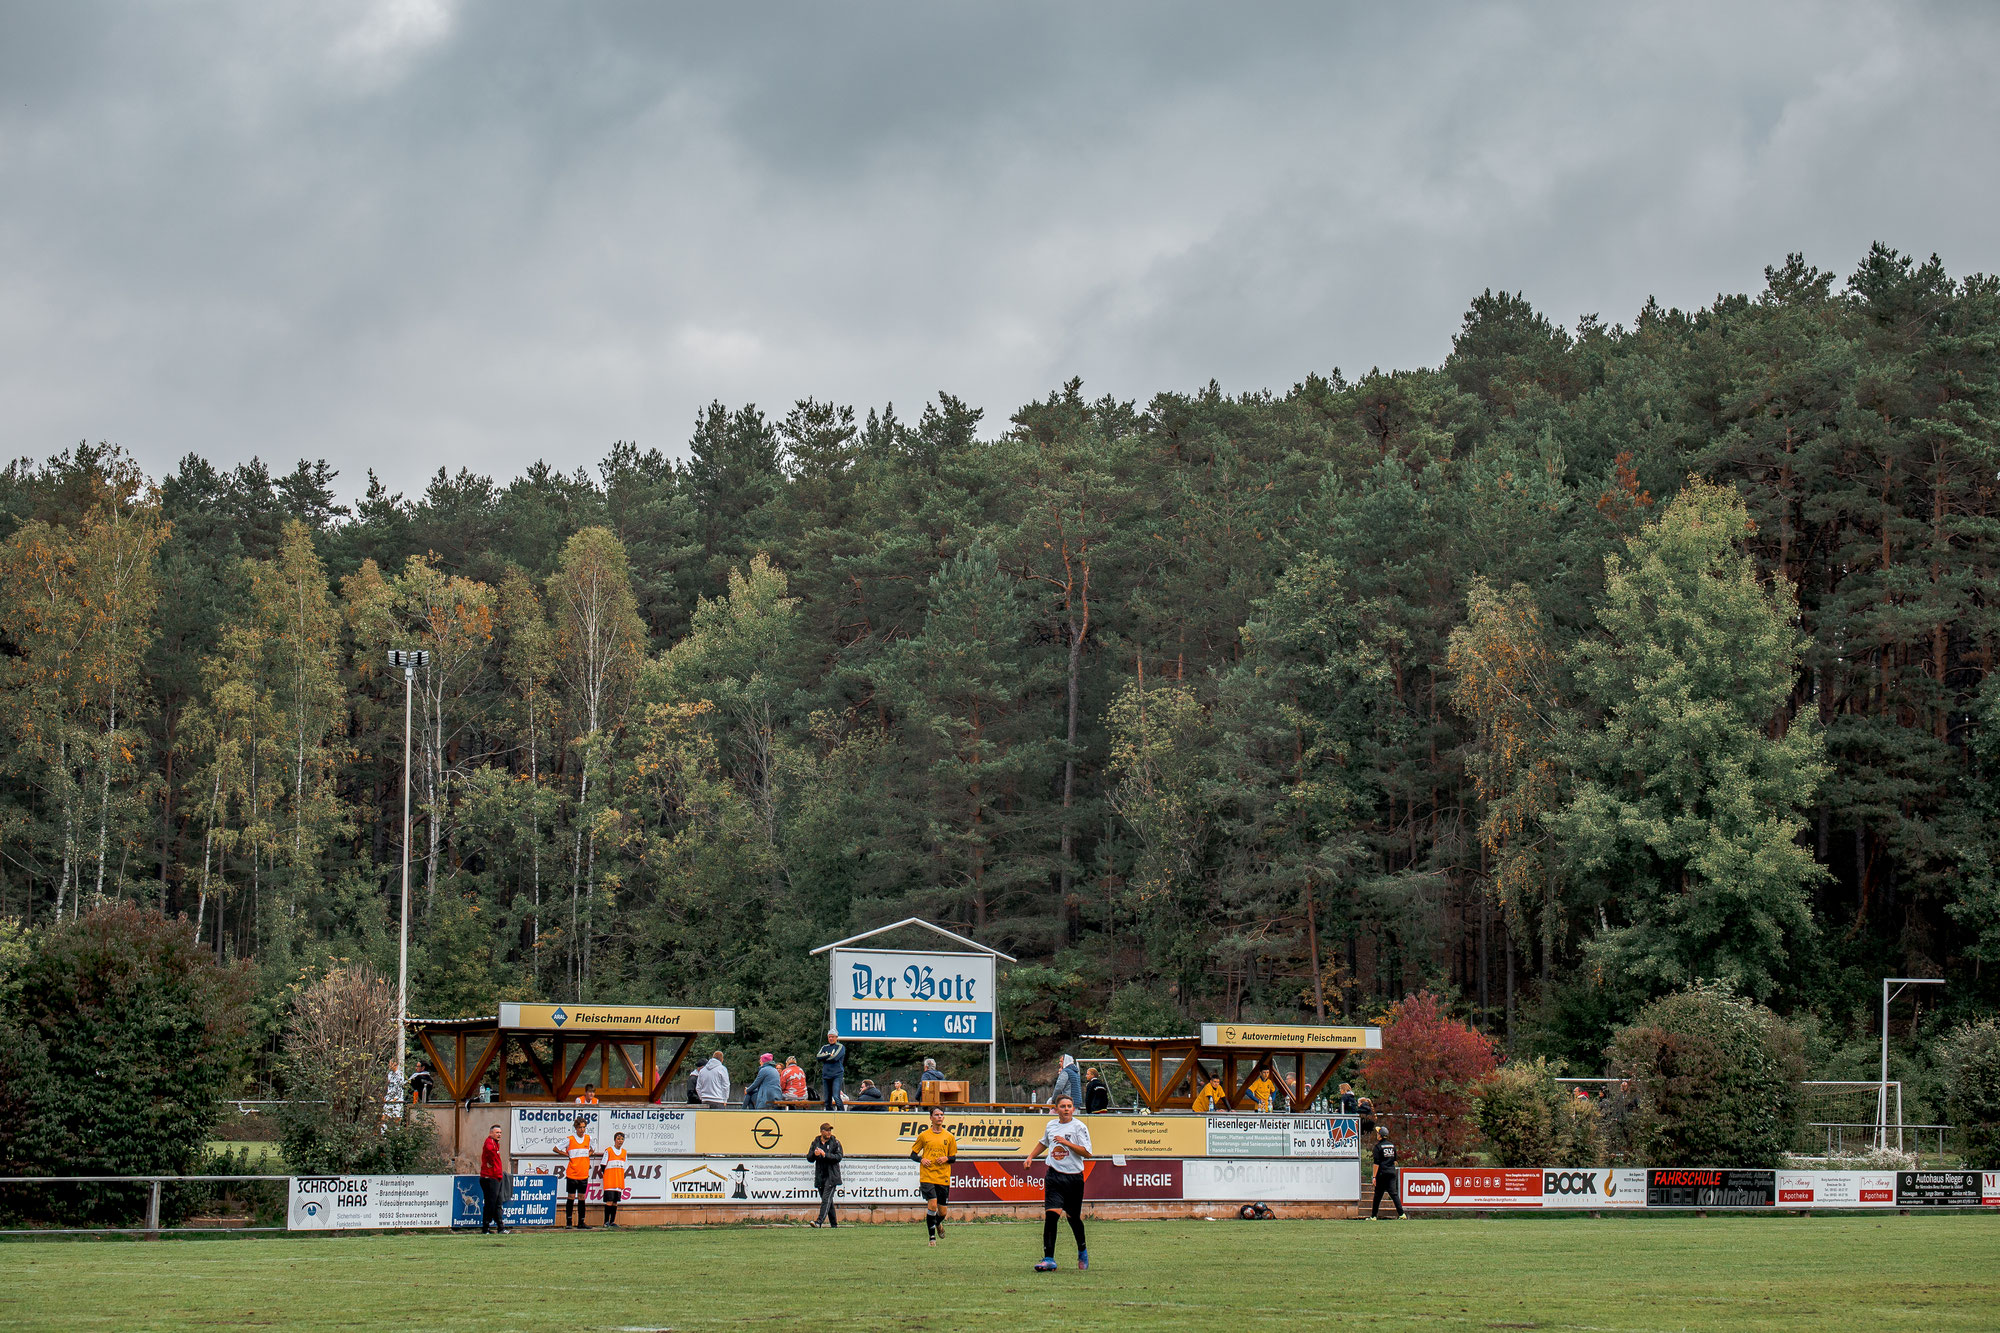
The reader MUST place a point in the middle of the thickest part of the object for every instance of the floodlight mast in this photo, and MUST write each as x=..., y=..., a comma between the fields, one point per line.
x=1882, y=1090
x=409, y=660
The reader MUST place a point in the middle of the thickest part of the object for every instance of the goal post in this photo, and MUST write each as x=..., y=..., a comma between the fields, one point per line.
x=1850, y=1113
x=1838, y=1117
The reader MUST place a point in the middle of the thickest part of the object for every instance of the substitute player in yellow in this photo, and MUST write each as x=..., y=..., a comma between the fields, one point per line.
x=935, y=1150
x=1067, y=1142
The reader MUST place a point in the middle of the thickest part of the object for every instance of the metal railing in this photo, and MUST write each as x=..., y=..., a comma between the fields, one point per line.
x=155, y=1184
x=1869, y=1137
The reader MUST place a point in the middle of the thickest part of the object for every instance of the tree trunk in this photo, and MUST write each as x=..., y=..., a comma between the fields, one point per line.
x=1069, y=755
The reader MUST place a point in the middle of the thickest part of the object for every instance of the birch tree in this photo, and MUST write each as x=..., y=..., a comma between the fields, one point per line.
x=78, y=604
x=599, y=639
x=301, y=648
x=450, y=617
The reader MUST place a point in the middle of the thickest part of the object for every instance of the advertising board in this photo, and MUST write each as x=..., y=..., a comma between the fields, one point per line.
x=1284, y=1136
x=890, y=1134
x=531, y=1203
x=1593, y=1187
x=893, y=995
x=1275, y=1180
x=1256, y=1036
x=616, y=1018
x=1989, y=1188
x=657, y=1130
x=1836, y=1189
x=1938, y=1189
x=1103, y=1179
x=1678, y=1187
x=342, y=1203
x=788, y=1180
x=767, y=1180
x=1471, y=1187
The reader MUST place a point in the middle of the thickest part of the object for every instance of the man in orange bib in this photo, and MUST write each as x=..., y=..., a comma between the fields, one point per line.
x=614, y=1179
x=576, y=1176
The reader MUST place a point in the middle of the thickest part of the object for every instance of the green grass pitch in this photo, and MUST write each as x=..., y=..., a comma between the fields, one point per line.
x=1849, y=1272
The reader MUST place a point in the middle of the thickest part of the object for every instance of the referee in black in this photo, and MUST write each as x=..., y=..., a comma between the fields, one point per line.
x=1385, y=1175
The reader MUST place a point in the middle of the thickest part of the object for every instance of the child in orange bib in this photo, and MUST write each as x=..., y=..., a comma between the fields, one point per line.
x=576, y=1175
x=614, y=1179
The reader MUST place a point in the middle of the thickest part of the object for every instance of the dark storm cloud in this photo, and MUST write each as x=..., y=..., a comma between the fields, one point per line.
x=415, y=234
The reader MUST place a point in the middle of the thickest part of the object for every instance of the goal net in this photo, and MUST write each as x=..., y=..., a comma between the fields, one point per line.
x=1844, y=1118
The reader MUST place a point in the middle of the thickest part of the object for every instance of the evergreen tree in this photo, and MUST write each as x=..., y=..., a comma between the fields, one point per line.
x=1687, y=817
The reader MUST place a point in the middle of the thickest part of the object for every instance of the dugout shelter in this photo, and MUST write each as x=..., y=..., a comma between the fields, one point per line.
x=549, y=1052
x=1169, y=1071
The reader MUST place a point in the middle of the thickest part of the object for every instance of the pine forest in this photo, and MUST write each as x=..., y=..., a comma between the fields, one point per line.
x=1589, y=664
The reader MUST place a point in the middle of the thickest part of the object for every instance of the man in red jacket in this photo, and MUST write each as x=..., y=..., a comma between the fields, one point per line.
x=491, y=1171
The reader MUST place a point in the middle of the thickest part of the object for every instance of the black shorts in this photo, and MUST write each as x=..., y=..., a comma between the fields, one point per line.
x=1063, y=1190
x=614, y=1196
x=576, y=1186
x=942, y=1193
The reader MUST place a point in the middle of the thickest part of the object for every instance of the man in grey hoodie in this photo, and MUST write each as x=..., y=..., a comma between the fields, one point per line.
x=1069, y=1083
x=711, y=1083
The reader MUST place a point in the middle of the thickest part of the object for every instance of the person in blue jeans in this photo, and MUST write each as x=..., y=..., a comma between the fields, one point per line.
x=832, y=1069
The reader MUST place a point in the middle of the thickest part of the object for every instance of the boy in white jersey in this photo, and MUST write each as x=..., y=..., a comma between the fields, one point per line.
x=1067, y=1142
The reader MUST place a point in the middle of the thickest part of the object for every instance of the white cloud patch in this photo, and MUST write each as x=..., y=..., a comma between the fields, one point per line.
x=378, y=46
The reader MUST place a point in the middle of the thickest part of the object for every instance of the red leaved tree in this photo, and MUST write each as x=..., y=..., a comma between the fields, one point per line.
x=1423, y=1079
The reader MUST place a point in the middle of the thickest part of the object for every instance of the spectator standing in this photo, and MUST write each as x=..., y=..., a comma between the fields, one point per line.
x=1262, y=1089
x=420, y=1084
x=392, y=1096
x=1346, y=1102
x=825, y=1154
x=1069, y=1083
x=763, y=1090
x=491, y=1172
x=711, y=1082
x=1096, y=1096
x=1385, y=1175
x=832, y=1069
x=899, y=1095
x=1210, y=1097
x=792, y=1080
x=870, y=1096
x=1365, y=1108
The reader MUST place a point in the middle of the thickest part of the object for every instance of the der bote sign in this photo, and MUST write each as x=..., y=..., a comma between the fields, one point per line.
x=892, y=995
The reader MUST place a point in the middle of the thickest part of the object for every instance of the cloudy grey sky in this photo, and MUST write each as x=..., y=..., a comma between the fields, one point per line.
x=405, y=234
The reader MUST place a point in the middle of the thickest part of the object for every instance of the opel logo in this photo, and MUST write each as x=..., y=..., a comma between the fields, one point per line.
x=766, y=1132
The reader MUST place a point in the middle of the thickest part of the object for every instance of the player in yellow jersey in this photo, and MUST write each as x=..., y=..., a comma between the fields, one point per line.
x=934, y=1152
